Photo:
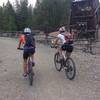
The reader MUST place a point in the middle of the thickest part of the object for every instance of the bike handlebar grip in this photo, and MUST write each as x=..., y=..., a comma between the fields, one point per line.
x=20, y=48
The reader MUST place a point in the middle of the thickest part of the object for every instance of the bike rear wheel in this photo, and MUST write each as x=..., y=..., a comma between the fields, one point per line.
x=57, y=62
x=30, y=70
x=70, y=70
x=31, y=78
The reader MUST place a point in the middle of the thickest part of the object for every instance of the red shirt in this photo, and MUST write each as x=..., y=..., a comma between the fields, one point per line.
x=68, y=37
x=22, y=39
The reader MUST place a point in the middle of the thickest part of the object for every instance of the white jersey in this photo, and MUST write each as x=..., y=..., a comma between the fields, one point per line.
x=62, y=37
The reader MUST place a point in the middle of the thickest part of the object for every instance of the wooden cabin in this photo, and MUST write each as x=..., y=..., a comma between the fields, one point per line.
x=85, y=18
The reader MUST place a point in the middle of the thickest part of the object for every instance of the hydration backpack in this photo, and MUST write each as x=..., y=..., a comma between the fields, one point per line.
x=29, y=40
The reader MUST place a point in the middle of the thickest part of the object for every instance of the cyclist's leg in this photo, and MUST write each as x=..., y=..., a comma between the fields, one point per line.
x=63, y=51
x=59, y=49
x=69, y=50
x=25, y=57
x=63, y=54
x=32, y=57
x=33, y=62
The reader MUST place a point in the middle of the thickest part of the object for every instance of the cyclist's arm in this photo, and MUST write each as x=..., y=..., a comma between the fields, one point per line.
x=56, y=41
x=19, y=45
x=20, y=42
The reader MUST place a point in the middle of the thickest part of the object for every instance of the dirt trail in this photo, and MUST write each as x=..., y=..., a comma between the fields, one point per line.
x=48, y=83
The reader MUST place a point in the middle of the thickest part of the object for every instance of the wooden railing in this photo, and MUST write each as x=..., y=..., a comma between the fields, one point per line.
x=85, y=45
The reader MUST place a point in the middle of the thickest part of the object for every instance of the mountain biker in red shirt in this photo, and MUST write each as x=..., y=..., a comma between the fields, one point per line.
x=28, y=42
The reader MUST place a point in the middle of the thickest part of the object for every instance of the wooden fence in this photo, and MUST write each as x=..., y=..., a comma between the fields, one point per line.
x=85, y=45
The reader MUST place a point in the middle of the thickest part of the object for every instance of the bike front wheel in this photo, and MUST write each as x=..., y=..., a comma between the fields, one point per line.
x=70, y=69
x=57, y=62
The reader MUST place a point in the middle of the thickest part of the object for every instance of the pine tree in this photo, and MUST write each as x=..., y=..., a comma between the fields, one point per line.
x=1, y=18
x=9, y=18
x=30, y=16
x=49, y=15
x=22, y=14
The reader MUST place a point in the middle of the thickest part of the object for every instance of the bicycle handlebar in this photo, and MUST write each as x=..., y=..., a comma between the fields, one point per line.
x=54, y=47
x=25, y=48
x=20, y=48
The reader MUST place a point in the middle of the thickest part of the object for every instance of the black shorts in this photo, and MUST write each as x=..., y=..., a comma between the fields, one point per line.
x=27, y=53
x=67, y=47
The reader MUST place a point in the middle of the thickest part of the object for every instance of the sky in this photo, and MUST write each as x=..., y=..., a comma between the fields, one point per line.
x=12, y=1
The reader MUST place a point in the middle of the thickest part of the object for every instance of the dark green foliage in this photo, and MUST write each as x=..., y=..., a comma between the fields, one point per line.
x=8, y=18
x=15, y=18
x=1, y=18
x=22, y=14
x=47, y=15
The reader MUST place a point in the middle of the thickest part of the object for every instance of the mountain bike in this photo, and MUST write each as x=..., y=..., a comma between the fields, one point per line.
x=30, y=69
x=67, y=64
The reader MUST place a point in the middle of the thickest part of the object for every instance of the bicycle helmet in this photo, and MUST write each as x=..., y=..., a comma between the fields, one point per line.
x=62, y=29
x=27, y=31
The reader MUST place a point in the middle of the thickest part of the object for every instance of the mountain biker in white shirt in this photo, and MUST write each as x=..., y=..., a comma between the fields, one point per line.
x=66, y=42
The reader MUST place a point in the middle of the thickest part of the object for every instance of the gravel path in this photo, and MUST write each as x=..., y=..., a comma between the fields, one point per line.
x=48, y=83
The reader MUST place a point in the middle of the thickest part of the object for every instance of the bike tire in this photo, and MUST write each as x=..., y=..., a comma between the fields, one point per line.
x=57, y=62
x=70, y=68
x=30, y=73
x=31, y=78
